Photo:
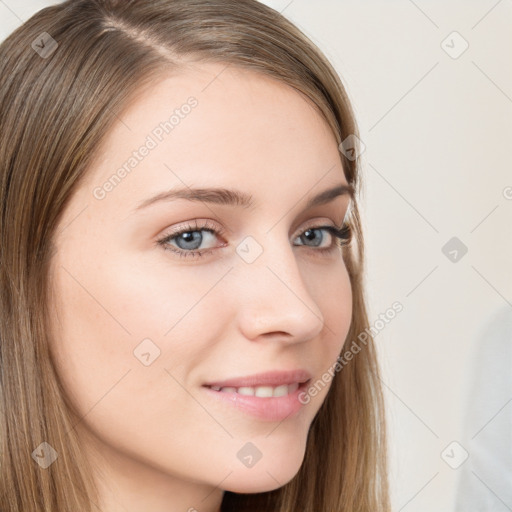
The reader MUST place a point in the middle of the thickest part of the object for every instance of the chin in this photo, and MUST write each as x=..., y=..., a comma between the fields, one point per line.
x=258, y=483
x=265, y=476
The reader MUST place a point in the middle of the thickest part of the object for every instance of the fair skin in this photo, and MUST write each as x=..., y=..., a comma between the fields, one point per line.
x=158, y=440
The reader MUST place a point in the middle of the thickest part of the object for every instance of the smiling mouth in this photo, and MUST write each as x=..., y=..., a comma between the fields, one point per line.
x=274, y=396
x=262, y=391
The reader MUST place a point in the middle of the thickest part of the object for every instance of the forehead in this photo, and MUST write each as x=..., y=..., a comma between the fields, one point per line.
x=213, y=124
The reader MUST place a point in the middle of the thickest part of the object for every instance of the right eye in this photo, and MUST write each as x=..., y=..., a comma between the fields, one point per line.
x=193, y=239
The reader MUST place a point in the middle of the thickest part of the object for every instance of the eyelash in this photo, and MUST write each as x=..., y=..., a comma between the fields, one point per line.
x=342, y=236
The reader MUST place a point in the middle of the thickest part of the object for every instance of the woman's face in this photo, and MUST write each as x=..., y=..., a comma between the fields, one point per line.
x=141, y=327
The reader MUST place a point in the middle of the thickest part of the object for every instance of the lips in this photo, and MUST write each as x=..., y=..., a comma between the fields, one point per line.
x=260, y=391
x=271, y=379
x=271, y=396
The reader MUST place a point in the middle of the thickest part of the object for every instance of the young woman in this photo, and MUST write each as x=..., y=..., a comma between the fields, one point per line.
x=182, y=318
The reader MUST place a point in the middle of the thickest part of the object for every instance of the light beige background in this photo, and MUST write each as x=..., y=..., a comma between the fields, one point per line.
x=437, y=164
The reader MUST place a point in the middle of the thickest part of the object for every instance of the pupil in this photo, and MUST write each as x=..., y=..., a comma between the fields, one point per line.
x=310, y=234
x=189, y=240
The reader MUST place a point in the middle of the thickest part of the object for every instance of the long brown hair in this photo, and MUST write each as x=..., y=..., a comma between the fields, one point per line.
x=66, y=75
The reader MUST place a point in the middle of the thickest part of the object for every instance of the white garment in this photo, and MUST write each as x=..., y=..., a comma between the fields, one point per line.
x=485, y=478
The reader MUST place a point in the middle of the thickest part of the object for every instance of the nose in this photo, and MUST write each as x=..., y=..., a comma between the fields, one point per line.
x=273, y=300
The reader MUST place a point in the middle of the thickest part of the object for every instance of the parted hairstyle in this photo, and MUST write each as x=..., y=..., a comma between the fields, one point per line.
x=55, y=110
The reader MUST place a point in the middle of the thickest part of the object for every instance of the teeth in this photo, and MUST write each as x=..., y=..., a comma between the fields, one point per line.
x=281, y=390
x=260, y=391
x=245, y=391
x=264, y=391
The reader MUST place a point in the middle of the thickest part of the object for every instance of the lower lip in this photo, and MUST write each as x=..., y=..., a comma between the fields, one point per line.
x=276, y=408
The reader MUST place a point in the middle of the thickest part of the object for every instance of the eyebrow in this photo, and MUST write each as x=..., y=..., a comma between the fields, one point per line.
x=232, y=197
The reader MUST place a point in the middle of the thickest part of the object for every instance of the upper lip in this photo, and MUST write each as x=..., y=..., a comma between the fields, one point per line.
x=271, y=378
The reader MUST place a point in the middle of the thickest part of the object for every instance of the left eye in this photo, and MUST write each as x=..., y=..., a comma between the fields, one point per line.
x=189, y=239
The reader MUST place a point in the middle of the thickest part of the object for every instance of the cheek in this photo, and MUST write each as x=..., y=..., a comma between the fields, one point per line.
x=126, y=329
x=106, y=312
x=333, y=291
